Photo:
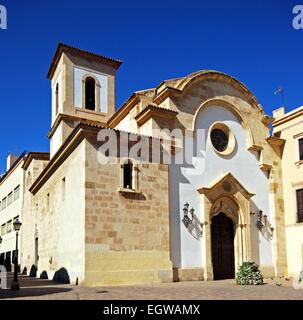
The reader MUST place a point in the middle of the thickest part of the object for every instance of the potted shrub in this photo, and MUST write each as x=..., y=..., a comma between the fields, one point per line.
x=249, y=274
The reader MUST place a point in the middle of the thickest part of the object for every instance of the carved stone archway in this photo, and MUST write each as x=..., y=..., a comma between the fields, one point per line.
x=227, y=195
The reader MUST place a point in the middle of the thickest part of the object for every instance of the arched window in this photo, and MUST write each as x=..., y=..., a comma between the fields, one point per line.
x=90, y=94
x=57, y=98
x=128, y=175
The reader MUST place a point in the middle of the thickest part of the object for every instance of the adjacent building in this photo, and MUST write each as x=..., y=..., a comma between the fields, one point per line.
x=11, y=203
x=289, y=126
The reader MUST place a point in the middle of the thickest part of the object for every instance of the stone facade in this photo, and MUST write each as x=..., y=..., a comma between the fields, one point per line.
x=11, y=200
x=82, y=225
x=126, y=233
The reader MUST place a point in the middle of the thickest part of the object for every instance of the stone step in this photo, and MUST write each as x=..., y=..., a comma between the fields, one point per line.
x=26, y=281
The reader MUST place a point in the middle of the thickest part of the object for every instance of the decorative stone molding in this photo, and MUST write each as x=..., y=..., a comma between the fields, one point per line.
x=235, y=204
x=226, y=104
x=154, y=111
x=266, y=168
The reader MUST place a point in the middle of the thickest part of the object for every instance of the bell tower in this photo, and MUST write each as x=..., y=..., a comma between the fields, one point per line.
x=83, y=88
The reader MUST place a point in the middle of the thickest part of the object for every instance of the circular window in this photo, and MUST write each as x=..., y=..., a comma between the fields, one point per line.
x=222, y=138
x=219, y=139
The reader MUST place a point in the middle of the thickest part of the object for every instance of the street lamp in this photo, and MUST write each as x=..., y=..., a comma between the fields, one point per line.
x=15, y=284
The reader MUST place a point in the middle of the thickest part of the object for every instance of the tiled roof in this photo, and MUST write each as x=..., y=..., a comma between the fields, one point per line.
x=76, y=51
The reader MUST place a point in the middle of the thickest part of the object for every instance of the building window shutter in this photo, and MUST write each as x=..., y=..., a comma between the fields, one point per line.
x=300, y=205
x=301, y=148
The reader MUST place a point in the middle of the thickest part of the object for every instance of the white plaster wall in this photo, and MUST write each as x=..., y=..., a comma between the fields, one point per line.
x=294, y=241
x=128, y=124
x=103, y=80
x=14, y=209
x=292, y=176
x=56, y=140
x=71, y=233
x=61, y=226
x=147, y=128
x=204, y=170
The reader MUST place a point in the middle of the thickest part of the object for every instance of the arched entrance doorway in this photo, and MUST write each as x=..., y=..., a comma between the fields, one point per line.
x=222, y=245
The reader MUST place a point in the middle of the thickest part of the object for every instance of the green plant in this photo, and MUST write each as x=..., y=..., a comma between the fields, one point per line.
x=249, y=274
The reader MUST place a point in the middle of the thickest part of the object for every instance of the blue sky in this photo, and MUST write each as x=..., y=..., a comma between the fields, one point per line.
x=253, y=41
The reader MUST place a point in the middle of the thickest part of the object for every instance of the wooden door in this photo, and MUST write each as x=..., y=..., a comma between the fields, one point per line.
x=222, y=241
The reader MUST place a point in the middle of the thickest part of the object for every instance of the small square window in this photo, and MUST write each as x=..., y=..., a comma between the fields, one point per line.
x=299, y=205
x=3, y=203
x=3, y=229
x=9, y=226
x=301, y=148
x=16, y=193
x=9, y=198
x=128, y=175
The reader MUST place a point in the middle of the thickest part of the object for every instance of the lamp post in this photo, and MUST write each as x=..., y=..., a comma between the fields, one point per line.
x=15, y=284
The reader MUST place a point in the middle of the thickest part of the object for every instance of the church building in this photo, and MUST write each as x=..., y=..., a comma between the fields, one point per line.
x=238, y=196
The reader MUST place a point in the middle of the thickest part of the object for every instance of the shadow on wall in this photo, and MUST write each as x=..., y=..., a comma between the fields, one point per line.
x=134, y=196
x=254, y=234
x=32, y=292
x=261, y=222
x=61, y=276
x=267, y=231
x=24, y=271
x=194, y=227
x=33, y=271
x=260, y=225
x=43, y=275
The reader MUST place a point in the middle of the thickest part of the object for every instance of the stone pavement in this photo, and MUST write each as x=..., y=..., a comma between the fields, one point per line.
x=196, y=290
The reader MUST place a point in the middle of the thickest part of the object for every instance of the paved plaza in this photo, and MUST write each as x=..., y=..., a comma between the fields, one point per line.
x=274, y=289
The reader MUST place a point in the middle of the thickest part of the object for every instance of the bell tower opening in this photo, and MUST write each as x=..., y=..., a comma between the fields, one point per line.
x=90, y=94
